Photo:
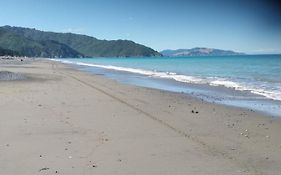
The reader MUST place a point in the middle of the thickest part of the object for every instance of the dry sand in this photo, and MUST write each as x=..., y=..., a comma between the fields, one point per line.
x=62, y=121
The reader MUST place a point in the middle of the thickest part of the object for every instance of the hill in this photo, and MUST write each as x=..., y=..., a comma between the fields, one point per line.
x=32, y=42
x=199, y=52
x=4, y=52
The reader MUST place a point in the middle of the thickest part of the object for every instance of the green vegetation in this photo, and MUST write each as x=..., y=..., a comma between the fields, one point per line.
x=31, y=42
x=5, y=52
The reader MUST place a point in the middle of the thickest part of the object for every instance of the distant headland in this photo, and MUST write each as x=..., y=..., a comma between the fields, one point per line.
x=19, y=41
x=199, y=51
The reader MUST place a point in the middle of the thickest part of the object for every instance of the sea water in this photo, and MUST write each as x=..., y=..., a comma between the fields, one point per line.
x=251, y=81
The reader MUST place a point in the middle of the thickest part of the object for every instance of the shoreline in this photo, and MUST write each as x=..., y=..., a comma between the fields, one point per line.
x=220, y=95
x=74, y=122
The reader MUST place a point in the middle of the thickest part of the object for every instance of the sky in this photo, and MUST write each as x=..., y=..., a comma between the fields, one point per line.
x=250, y=26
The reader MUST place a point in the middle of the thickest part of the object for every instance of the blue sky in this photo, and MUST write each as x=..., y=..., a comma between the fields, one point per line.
x=251, y=26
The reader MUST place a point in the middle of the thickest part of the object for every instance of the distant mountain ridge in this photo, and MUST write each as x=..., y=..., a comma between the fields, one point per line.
x=36, y=43
x=199, y=51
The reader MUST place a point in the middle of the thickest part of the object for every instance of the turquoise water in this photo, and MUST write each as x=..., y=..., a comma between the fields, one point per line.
x=255, y=78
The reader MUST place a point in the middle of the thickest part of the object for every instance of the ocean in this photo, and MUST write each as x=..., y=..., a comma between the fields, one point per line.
x=248, y=81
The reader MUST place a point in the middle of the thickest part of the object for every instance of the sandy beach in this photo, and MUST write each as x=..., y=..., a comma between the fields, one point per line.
x=58, y=120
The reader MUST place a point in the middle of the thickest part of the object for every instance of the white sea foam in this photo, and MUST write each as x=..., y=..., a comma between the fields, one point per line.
x=275, y=95
x=226, y=83
x=272, y=94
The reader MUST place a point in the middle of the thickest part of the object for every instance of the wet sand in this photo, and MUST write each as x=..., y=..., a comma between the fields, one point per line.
x=63, y=121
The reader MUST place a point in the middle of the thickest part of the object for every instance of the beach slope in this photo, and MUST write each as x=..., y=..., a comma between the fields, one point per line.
x=58, y=120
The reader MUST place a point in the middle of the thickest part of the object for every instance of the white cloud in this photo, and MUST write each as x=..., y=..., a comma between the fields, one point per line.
x=74, y=30
x=267, y=50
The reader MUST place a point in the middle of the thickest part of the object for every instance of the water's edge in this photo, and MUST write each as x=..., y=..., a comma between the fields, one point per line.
x=214, y=94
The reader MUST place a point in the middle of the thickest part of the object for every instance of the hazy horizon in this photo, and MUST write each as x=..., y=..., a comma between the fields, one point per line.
x=252, y=27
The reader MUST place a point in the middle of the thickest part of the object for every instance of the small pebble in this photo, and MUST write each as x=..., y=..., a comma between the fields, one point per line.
x=43, y=169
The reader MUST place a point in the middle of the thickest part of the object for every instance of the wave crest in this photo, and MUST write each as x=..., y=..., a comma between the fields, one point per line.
x=214, y=81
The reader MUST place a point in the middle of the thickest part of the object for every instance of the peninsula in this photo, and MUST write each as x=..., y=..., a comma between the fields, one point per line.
x=199, y=51
x=35, y=43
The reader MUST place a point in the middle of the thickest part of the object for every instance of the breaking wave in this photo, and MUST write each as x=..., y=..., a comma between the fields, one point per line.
x=274, y=94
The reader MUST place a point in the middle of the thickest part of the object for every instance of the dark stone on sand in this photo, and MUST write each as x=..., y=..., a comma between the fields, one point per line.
x=43, y=169
x=9, y=76
x=196, y=112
